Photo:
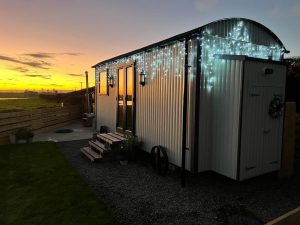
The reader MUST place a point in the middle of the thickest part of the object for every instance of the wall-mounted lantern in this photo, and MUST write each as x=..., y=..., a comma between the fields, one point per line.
x=111, y=81
x=142, y=78
x=268, y=71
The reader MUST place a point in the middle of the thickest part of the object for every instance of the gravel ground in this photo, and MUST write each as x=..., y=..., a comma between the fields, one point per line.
x=135, y=194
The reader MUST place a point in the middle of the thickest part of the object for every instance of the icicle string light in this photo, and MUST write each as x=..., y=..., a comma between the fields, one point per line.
x=158, y=60
x=236, y=43
x=169, y=60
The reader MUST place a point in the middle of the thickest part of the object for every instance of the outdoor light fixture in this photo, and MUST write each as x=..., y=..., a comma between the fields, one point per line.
x=111, y=81
x=268, y=71
x=142, y=78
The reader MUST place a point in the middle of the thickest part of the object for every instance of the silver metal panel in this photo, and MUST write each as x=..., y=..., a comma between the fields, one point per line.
x=205, y=109
x=106, y=107
x=226, y=92
x=221, y=105
x=261, y=138
x=160, y=103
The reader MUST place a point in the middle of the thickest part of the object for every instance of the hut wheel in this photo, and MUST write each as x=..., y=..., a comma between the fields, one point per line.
x=159, y=160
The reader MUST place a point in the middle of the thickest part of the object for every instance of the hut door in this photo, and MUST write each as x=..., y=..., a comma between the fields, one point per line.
x=261, y=137
x=125, y=99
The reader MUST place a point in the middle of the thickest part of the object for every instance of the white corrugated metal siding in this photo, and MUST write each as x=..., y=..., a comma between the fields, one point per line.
x=106, y=107
x=219, y=123
x=226, y=97
x=160, y=103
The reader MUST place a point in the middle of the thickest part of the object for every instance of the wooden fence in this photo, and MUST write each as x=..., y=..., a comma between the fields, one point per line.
x=38, y=120
x=288, y=144
x=297, y=136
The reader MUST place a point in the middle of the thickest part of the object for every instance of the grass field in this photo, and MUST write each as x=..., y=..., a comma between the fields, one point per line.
x=29, y=103
x=38, y=186
x=11, y=95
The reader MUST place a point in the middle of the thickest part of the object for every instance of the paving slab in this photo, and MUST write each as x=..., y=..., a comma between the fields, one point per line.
x=79, y=133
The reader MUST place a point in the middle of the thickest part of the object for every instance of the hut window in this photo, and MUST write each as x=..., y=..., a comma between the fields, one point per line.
x=103, y=83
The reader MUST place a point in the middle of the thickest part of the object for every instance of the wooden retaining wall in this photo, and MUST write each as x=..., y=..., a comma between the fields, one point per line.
x=38, y=120
x=288, y=144
x=297, y=136
x=290, y=218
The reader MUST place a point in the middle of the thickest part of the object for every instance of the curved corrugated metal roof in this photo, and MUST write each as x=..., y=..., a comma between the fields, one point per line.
x=259, y=34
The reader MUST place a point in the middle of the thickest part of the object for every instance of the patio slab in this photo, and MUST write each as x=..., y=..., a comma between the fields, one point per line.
x=79, y=133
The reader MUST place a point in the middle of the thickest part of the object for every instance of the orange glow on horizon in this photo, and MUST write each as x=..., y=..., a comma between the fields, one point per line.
x=41, y=72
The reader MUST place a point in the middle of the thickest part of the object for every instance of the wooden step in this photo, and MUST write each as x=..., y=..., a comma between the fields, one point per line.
x=92, y=155
x=98, y=146
x=109, y=138
x=116, y=135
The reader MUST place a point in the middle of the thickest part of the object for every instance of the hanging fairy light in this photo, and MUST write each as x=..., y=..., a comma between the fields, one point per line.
x=237, y=42
x=168, y=60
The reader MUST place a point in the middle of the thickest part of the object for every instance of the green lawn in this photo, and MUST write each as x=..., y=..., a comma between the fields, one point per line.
x=39, y=187
x=11, y=95
x=30, y=103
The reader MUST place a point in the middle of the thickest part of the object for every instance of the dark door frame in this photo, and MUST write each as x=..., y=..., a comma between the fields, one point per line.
x=123, y=129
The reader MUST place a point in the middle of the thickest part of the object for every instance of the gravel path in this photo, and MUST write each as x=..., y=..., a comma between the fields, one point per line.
x=135, y=194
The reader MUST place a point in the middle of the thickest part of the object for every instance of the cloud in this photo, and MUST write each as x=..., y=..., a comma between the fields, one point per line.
x=41, y=65
x=276, y=12
x=47, y=77
x=6, y=58
x=57, y=85
x=40, y=55
x=6, y=83
x=296, y=10
x=75, y=74
x=21, y=69
x=12, y=78
x=292, y=10
x=37, y=64
x=71, y=53
x=205, y=5
x=38, y=60
x=50, y=55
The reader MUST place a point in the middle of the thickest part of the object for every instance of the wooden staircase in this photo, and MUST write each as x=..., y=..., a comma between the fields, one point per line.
x=99, y=147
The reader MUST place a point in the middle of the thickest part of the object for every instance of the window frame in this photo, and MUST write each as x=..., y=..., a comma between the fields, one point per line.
x=105, y=93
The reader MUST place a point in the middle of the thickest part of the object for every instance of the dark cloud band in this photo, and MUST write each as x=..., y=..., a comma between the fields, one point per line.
x=47, y=77
x=37, y=64
x=75, y=74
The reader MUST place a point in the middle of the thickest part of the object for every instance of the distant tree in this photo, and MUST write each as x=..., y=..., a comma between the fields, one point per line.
x=293, y=66
x=293, y=81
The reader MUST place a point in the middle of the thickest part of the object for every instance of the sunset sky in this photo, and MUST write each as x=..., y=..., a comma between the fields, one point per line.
x=48, y=44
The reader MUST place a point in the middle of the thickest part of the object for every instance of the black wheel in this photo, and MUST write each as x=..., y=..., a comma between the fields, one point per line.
x=159, y=160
